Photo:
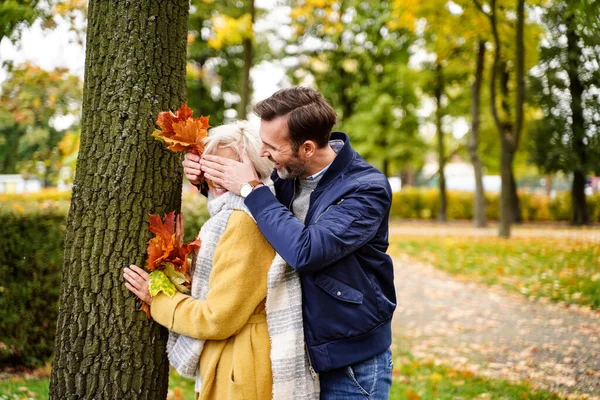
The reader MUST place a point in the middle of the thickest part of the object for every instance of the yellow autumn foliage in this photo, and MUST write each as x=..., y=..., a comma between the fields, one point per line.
x=230, y=31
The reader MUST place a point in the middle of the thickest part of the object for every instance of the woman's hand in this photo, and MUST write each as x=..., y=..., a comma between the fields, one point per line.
x=137, y=282
x=191, y=168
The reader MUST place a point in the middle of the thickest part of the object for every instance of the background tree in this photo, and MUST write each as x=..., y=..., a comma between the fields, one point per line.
x=507, y=97
x=135, y=67
x=222, y=51
x=349, y=52
x=16, y=15
x=567, y=138
x=31, y=100
x=440, y=25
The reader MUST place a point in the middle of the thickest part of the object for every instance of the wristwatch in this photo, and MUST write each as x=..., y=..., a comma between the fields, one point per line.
x=248, y=187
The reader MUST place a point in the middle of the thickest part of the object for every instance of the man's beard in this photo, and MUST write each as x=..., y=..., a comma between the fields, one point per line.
x=293, y=169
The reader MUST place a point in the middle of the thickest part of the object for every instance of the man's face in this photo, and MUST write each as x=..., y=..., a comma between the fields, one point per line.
x=277, y=145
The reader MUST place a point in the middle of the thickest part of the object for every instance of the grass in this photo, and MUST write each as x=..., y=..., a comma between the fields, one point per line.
x=17, y=388
x=560, y=270
x=412, y=379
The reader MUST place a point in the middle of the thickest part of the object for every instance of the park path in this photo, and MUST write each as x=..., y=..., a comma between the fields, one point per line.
x=495, y=333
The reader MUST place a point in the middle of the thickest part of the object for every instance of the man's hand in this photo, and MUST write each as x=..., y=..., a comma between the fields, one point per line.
x=138, y=281
x=191, y=168
x=228, y=173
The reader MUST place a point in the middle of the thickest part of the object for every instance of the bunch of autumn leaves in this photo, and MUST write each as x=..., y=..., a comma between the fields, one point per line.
x=167, y=254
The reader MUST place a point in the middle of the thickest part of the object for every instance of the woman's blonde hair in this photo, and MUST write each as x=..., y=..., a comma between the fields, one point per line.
x=237, y=136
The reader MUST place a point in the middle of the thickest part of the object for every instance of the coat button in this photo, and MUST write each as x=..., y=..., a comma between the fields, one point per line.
x=339, y=293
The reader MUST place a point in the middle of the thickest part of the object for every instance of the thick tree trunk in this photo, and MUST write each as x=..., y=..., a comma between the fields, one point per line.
x=438, y=91
x=506, y=199
x=580, y=215
x=135, y=67
x=246, y=85
x=473, y=145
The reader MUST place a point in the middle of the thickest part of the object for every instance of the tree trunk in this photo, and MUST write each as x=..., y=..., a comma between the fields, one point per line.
x=548, y=185
x=506, y=199
x=438, y=91
x=135, y=67
x=385, y=167
x=515, y=203
x=508, y=130
x=580, y=215
x=246, y=86
x=473, y=145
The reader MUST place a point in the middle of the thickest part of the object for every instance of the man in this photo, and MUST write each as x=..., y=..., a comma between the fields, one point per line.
x=329, y=221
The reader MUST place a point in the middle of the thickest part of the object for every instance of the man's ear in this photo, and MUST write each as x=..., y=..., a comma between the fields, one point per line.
x=308, y=149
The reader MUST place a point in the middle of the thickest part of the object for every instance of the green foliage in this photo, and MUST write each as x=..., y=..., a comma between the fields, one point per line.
x=30, y=99
x=416, y=203
x=556, y=269
x=361, y=67
x=214, y=73
x=31, y=244
x=16, y=13
x=561, y=141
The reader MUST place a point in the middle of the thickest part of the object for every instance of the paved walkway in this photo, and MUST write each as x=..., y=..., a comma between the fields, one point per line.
x=495, y=333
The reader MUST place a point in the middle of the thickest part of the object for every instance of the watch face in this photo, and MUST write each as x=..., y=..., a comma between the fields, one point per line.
x=246, y=189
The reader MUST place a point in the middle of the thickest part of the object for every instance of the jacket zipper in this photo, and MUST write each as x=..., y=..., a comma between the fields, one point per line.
x=312, y=371
x=293, y=195
x=327, y=209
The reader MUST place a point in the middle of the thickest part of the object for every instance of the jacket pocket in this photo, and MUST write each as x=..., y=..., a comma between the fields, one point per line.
x=338, y=290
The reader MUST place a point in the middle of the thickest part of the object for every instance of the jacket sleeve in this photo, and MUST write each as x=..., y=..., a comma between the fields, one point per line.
x=340, y=230
x=237, y=285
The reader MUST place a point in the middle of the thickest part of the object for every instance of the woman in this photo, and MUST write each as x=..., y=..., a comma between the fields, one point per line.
x=222, y=334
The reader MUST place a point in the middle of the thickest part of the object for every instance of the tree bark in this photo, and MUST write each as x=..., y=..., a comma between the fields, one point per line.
x=479, y=217
x=506, y=209
x=438, y=91
x=246, y=85
x=580, y=214
x=135, y=67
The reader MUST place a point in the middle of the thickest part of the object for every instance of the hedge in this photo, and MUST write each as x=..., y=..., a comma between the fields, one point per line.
x=31, y=251
x=31, y=245
x=416, y=203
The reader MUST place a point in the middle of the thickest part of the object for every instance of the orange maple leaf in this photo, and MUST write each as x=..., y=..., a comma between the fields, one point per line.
x=182, y=132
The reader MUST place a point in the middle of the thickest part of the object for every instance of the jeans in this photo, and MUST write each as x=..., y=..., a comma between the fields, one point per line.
x=370, y=379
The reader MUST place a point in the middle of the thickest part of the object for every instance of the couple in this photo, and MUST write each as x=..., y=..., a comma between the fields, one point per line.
x=328, y=220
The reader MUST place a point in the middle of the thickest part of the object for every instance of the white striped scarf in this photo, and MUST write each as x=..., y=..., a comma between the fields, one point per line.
x=289, y=361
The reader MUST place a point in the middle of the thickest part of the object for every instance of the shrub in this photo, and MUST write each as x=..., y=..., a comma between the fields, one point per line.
x=31, y=245
x=417, y=203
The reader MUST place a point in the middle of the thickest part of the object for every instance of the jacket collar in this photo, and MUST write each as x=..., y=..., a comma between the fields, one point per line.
x=340, y=163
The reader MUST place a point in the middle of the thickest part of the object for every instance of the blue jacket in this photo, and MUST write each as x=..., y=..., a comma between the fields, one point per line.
x=340, y=254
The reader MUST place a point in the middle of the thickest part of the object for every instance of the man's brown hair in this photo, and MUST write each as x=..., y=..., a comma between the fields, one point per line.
x=308, y=115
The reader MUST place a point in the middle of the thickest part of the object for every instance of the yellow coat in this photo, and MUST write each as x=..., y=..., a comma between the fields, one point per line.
x=235, y=363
